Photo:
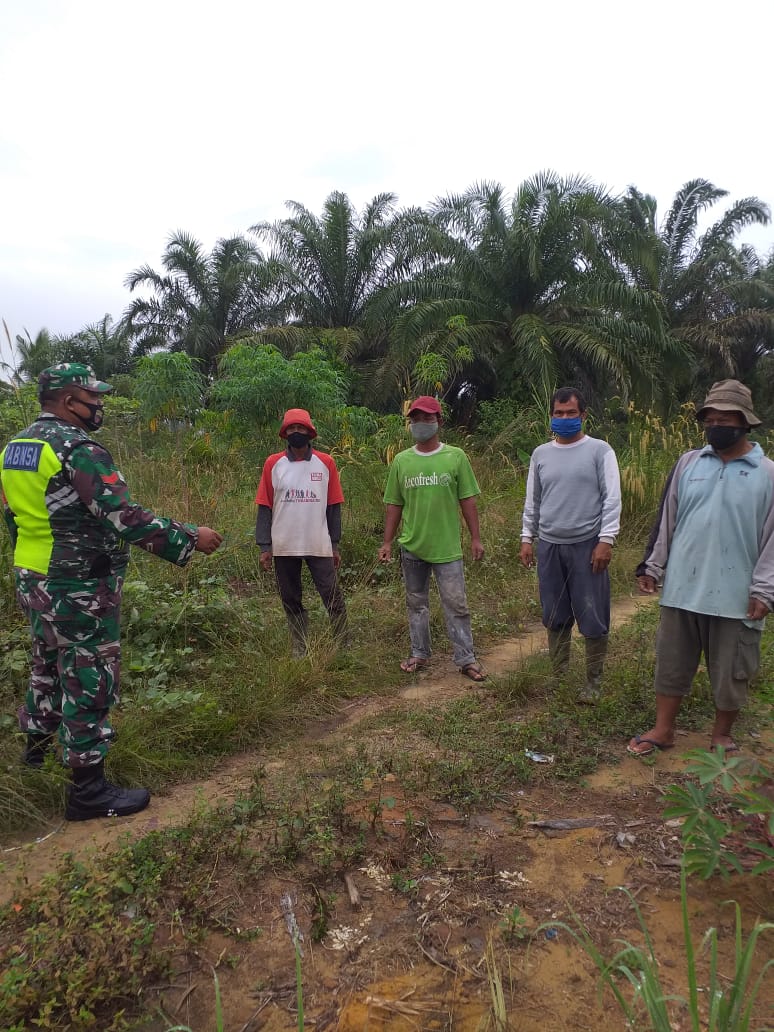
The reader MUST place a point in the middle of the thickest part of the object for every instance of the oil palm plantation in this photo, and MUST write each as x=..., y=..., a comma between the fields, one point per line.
x=345, y=270
x=525, y=287
x=200, y=301
x=103, y=345
x=32, y=354
x=716, y=297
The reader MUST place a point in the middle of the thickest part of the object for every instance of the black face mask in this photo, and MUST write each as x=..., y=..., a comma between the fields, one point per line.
x=723, y=437
x=298, y=440
x=95, y=417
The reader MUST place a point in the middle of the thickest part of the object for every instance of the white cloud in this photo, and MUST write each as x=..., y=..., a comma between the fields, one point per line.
x=128, y=122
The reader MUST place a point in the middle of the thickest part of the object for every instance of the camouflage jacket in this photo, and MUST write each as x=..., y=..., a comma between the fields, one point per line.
x=68, y=507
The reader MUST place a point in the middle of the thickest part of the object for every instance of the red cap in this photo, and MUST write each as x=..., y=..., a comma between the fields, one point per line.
x=426, y=404
x=297, y=415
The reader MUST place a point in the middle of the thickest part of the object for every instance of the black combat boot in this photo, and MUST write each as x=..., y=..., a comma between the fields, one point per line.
x=38, y=745
x=91, y=796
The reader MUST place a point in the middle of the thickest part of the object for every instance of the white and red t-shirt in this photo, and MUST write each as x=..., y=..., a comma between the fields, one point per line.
x=298, y=494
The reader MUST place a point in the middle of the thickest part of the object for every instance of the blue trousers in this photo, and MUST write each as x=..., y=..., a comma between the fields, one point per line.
x=569, y=592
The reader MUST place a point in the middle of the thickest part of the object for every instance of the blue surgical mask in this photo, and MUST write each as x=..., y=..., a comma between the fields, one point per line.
x=568, y=427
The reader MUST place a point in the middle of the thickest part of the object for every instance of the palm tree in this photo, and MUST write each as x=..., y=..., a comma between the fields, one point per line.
x=527, y=287
x=343, y=271
x=104, y=345
x=714, y=294
x=201, y=301
x=33, y=355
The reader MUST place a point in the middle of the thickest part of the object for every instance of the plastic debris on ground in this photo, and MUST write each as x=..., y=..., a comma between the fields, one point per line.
x=539, y=757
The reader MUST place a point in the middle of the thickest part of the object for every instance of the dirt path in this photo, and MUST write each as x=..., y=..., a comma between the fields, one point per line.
x=415, y=958
x=30, y=859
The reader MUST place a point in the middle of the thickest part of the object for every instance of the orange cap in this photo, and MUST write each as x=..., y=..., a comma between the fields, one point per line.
x=297, y=415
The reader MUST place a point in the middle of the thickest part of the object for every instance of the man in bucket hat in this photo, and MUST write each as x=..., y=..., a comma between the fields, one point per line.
x=299, y=520
x=70, y=516
x=713, y=553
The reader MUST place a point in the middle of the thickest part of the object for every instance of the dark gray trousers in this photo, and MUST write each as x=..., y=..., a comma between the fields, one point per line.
x=570, y=592
x=287, y=570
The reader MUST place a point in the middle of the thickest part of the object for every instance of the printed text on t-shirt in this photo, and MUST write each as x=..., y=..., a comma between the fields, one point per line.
x=427, y=480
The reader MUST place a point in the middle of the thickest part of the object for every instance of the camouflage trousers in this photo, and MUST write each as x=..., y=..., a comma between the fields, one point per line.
x=76, y=657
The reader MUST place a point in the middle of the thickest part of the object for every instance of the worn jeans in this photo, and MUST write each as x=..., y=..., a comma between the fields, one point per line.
x=450, y=580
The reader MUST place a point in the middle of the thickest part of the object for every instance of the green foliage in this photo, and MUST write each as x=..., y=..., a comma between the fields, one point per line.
x=168, y=387
x=18, y=408
x=349, y=428
x=514, y=926
x=201, y=301
x=728, y=997
x=404, y=883
x=170, y=614
x=256, y=383
x=79, y=956
x=32, y=355
x=527, y=285
x=726, y=817
x=335, y=270
x=494, y=417
x=712, y=293
x=104, y=345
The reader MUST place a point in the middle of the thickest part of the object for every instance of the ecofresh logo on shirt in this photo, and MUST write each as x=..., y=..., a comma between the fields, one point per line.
x=421, y=480
x=427, y=480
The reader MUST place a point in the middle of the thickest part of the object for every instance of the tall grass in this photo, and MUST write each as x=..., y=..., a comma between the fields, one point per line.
x=207, y=669
x=716, y=1002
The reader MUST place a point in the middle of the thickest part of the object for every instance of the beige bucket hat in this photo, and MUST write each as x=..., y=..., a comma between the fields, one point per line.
x=730, y=396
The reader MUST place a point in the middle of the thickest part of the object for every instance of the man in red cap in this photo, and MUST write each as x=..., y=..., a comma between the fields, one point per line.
x=299, y=519
x=427, y=487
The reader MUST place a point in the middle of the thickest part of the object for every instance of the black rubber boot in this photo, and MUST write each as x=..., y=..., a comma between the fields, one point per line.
x=92, y=796
x=38, y=745
x=596, y=650
x=559, y=650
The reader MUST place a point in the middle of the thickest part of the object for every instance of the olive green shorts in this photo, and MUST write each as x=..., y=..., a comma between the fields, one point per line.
x=731, y=651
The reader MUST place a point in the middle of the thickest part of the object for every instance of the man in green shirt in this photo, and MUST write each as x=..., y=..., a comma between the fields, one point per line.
x=426, y=486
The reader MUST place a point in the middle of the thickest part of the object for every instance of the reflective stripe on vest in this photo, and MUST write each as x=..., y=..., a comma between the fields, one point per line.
x=27, y=468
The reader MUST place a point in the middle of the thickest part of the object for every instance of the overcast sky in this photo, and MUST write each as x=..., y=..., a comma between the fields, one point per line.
x=122, y=123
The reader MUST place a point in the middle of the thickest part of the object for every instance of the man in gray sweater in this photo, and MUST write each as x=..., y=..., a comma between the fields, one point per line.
x=572, y=509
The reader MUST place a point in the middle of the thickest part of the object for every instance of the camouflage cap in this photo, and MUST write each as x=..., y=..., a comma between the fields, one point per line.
x=70, y=374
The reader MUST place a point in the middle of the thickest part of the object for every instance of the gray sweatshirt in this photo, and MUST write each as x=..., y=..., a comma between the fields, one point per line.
x=573, y=493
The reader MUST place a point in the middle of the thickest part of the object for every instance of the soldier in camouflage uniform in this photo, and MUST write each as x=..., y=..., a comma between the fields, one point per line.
x=71, y=520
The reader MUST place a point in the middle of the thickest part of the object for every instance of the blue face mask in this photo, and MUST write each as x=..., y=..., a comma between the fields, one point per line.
x=566, y=427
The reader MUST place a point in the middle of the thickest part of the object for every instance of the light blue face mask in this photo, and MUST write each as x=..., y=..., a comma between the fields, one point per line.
x=566, y=427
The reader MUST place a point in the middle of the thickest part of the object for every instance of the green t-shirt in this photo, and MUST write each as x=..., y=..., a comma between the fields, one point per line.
x=429, y=486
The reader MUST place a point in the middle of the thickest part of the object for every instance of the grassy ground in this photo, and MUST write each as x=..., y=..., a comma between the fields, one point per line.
x=207, y=672
x=206, y=667
x=79, y=948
